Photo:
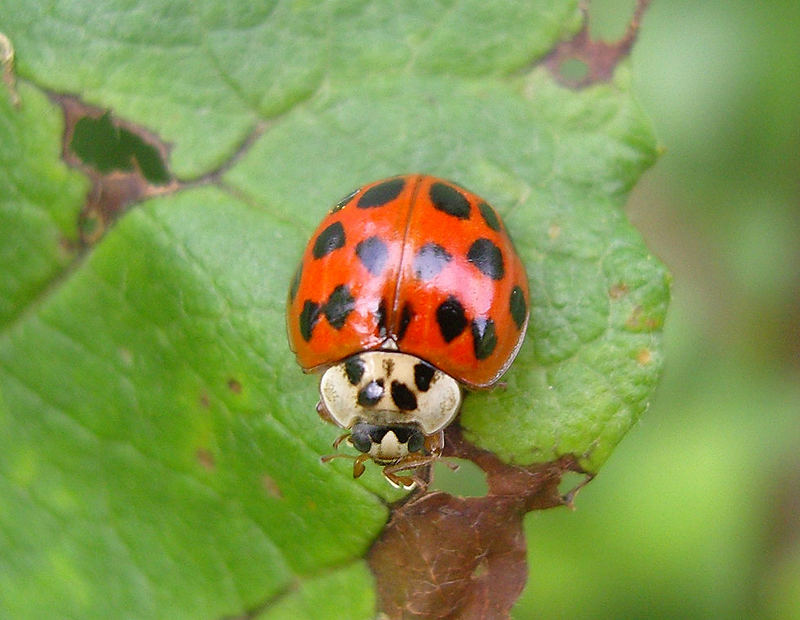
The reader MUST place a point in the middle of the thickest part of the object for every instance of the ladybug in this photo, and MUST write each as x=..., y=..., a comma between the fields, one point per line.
x=409, y=290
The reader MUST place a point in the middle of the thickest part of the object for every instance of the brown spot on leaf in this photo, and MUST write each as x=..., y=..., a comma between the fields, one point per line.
x=639, y=321
x=618, y=290
x=271, y=487
x=452, y=557
x=204, y=400
x=644, y=357
x=205, y=458
x=234, y=386
x=597, y=59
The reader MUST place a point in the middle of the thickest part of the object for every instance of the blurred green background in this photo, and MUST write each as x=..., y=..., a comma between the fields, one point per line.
x=697, y=513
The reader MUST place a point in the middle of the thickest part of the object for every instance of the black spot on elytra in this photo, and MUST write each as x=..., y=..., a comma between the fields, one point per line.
x=354, y=368
x=423, y=373
x=449, y=200
x=484, y=339
x=431, y=258
x=295, y=282
x=343, y=202
x=517, y=306
x=372, y=253
x=488, y=258
x=403, y=397
x=338, y=306
x=308, y=318
x=406, y=315
x=380, y=318
x=370, y=394
x=330, y=239
x=489, y=216
x=451, y=319
x=381, y=194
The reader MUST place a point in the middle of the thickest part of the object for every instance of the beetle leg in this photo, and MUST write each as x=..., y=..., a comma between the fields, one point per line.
x=339, y=440
x=358, y=461
x=329, y=457
x=358, y=465
x=434, y=444
x=405, y=482
x=412, y=461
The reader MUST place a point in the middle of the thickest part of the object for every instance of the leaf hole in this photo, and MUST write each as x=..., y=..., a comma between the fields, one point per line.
x=468, y=480
x=108, y=147
x=571, y=482
x=573, y=70
x=585, y=60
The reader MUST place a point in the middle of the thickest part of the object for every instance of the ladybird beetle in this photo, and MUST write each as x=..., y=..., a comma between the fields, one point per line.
x=409, y=289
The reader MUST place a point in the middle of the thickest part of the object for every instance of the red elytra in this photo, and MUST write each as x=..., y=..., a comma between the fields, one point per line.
x=416, y=264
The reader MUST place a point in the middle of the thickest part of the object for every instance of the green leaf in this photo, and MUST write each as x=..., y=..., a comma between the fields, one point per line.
x=143, y=423
x=40, y=203
x=327, y=596
x=159, y=448
x=203, y=73
x=598, y=299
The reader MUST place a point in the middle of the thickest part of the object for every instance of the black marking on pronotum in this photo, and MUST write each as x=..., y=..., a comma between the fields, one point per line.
x=372, y=253
x=403, y=397
x=330, y=239
x=484, y=339
x=343, y=202
x=338, y=306
x=308, y=318
x=517, y=306
x=423, y=373
x=450, y=318
x=370, y=394
x=449, y=200
x=487, y=257
x=489, y=216
x=354, y=368
x=430, y=259
x=406, y=314
x=381, y=194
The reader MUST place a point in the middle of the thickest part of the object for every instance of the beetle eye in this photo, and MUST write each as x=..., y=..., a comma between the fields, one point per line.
x=360, y=438
x=416, y=442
